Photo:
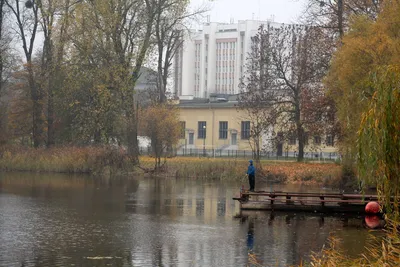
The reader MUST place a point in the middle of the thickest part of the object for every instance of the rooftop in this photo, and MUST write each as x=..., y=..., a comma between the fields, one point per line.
x=214, y=101
x=209, y=105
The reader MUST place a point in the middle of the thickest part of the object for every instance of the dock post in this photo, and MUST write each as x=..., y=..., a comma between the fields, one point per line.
x=272, y=198
x=288, y=198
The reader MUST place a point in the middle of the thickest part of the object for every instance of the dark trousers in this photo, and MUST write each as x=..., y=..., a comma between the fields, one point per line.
x=252, y=181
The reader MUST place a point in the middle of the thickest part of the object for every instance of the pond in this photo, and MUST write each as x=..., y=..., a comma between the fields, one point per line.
x=64, y=220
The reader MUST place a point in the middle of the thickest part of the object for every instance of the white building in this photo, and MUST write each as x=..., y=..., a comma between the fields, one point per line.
x=212, y=60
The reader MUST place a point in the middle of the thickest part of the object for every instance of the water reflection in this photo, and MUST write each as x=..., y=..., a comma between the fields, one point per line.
x=61, y=220
x=252, y=259
x=295, y=235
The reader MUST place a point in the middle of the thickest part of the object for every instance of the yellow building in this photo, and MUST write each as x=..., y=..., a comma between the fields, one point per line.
x=214, y=125
x=218, y=124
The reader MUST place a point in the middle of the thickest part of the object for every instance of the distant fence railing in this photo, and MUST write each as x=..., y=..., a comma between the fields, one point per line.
x=226, y=153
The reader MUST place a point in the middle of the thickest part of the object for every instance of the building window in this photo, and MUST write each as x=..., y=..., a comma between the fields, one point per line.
x=191, y=138
x=329, y=140
x=202, y=130
x=182, y=129
x=223, y=130
x=245, y=133
x=317, y=140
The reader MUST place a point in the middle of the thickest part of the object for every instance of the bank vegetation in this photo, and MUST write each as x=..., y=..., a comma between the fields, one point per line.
x=364, y=81
x=115, y=161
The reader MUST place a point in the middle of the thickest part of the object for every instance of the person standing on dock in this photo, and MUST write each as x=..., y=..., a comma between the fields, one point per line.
x=251, y=173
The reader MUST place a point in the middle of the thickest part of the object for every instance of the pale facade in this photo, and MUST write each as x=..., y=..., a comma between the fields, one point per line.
x=214, y=126
x=222, y=126
x=212, y=60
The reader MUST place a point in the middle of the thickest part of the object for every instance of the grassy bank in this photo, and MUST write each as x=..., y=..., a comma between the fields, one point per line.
x=93, y=160
x=101, y=160
x=231, y=168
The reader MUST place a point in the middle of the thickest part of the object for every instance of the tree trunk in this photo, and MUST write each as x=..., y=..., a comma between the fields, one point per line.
x=50, y=117
x=132, y=131
x=132, y=114
x=2, y=2
x=340, y=18
x=37, y=109
x=300, y=135
x=299, y=127
x=50, y=91
x=257, y=149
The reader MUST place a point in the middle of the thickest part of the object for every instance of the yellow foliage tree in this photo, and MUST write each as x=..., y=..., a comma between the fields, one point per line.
x=367, y=46
x=161, y=124
x=364, y=81
x=379, y=138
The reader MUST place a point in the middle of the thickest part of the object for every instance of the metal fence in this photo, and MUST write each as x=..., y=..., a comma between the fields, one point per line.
x=224, y=153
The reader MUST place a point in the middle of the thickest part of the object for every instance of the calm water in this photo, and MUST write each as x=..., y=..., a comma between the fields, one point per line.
x=60, y=220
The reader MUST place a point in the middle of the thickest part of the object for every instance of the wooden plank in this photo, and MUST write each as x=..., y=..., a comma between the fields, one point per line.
x=277, y=194
x=294, y=195
x=281, y=200
x=316, y=195
x=321, y=202
x=358, y=196
x=306, y=208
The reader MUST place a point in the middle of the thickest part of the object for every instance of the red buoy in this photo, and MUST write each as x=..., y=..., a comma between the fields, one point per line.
x=372, y=207
x=372, y=221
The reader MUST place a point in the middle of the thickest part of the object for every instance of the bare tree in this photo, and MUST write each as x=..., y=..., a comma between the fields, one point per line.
x=334, y=15
x=2, y=52
x=54, y=20
x=7, y=54
x=47, y=11
x=4, y=49
x=171, y=20
x=27, y=20
x=293, y=59
x=254, y=85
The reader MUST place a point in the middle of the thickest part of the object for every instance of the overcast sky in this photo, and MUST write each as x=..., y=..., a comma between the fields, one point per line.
x=285, y=11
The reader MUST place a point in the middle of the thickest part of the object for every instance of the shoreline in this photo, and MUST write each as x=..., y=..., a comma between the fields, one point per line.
x=102, y=161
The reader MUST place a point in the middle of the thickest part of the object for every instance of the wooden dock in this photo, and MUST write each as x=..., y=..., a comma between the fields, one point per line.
x=307, y=202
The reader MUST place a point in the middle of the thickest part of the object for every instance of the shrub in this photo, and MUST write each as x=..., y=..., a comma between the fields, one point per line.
x=307, y=177
x=348, y=179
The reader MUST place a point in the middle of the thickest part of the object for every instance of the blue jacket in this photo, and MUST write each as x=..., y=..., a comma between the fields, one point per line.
x=251, y=169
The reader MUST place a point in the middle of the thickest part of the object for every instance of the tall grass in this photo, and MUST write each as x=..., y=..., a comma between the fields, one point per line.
x=235, y=169
x=204, y=168
x=64, y=160
x=107, y=160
